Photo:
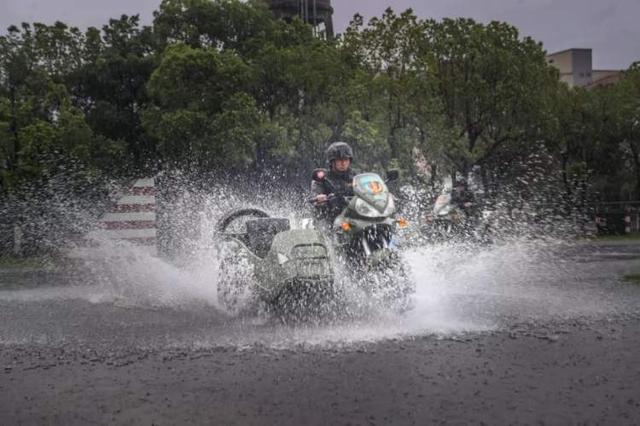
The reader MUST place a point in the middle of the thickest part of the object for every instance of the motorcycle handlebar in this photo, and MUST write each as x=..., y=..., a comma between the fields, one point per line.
x=330, y=198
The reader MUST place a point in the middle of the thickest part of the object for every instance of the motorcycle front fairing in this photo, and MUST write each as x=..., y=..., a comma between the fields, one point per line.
x=372, y=201
x=366, y=225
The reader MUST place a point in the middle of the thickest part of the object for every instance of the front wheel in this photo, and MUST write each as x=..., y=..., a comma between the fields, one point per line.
x=399, y=289
x=388, y=283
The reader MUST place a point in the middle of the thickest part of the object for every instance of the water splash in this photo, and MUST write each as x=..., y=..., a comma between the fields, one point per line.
x=460, y=287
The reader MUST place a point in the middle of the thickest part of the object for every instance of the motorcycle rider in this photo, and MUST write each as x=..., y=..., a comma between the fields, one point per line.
x=330, y=192
x=463, y=198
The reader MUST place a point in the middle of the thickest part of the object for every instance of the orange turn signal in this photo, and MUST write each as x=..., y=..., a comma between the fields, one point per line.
x=346, y=227
x=402, y=223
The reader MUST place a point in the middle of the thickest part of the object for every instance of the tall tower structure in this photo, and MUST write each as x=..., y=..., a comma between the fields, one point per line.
x=317, y=13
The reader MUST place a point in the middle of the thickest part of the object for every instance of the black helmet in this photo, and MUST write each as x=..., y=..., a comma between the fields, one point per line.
x=339, y=151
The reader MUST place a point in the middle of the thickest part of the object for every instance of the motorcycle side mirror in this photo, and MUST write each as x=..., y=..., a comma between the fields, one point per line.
x=393, y=175
x=319, y=175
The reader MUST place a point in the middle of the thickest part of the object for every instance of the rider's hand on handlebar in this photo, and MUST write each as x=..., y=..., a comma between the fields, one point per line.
x=321, y=199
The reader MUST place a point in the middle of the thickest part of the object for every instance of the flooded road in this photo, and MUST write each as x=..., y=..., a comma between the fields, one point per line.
x=518, y=333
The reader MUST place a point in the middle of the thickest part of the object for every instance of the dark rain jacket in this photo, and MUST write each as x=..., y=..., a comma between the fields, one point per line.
x=459, y=199
x=339, y=184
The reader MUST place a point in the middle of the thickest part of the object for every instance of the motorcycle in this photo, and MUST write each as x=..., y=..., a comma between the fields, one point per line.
x=364, y=237
x=447, y=221
x=289, y=269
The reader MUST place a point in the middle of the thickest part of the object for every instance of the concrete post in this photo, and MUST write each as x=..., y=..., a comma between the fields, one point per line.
x=17, y=240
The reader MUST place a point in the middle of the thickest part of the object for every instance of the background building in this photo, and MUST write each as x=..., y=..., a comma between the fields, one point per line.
x=317, y=13
x=575, y=66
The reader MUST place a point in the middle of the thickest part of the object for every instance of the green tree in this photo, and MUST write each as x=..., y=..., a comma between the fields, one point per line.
x=221, y=24
x=493, y=86
x=392, y=89
x=110, y=87
x=39, y=126
x=198, y=105
x=627, y=100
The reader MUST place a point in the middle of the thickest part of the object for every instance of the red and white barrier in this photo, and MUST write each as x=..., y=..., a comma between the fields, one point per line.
x=132, y=219
x=134, y=216
x=627, y=223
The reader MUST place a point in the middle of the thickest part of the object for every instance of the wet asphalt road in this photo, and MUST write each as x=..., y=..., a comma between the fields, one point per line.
x=71, y=356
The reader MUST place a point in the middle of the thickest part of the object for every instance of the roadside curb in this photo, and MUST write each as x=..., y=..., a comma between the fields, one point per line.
x=20, y=278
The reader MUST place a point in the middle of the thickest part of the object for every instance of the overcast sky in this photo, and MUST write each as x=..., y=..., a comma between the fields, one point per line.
x=610, y=27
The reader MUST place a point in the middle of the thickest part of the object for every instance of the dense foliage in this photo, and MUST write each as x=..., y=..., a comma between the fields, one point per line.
x=223, y=86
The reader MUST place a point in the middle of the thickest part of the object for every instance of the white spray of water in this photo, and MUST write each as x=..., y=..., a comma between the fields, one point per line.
x=459, y=288
x=126, y=274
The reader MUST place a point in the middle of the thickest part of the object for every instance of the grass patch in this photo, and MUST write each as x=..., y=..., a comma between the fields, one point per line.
x=632, y=278
x=611, y=239
x=625, y=237
x=11, y=262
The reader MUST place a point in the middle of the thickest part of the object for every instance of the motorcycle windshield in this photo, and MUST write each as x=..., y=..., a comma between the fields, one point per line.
x=371, y=188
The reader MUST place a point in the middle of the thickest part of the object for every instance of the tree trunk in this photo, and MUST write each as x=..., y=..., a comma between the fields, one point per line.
x=565, y=175
x=13, y=129
x=485, y=181
x=636, y=162
x=17, y=240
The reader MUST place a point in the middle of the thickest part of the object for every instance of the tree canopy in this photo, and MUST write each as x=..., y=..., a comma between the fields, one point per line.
x=223, y=85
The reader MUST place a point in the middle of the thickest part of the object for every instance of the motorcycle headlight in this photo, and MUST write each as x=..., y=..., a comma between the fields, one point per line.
x=365, y=209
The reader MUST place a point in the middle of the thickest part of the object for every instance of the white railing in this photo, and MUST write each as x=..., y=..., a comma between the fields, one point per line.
x=628, y=211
